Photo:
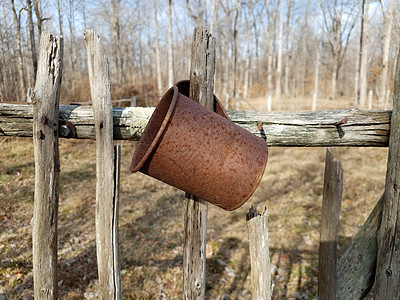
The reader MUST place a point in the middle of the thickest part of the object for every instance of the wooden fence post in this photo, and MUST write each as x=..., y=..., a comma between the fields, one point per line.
x=331, y=204
x=47, y=166
x=195, y=215
x=388, y=265
x=106, y=174
x=356, y=268
x=257, y=229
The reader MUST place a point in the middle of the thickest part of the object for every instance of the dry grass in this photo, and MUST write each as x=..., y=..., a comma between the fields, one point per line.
x=151, y=223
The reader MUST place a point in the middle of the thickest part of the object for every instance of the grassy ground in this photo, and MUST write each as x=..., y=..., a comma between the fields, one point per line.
x=151, y=223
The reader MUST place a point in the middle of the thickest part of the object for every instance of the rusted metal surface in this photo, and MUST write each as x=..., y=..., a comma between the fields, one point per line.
x=199, y=151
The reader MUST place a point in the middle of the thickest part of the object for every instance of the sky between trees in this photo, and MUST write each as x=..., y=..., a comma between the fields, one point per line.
x=265, y=48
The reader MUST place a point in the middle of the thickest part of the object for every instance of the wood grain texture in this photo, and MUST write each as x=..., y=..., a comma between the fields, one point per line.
x=195, y=214
x=47, y=166
x=355, y=273
x=297, y=129
x=106, y=189
x=257, y=230
x=331, y=204
x=387, y=281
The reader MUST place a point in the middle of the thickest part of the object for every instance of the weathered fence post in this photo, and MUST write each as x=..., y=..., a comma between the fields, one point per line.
x=356, y=268
x=331, y=204
x=388, y=265
x=195, y=215
x=257, y=229
x=106, y=173
x=47, y=166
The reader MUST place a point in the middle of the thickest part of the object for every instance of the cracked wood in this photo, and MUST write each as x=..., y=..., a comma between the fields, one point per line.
x=299, y=129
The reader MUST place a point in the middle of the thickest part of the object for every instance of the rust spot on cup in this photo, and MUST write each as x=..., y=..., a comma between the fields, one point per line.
x=200, y=151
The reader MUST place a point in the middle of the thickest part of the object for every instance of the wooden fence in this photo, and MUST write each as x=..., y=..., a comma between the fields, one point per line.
x=373, y=256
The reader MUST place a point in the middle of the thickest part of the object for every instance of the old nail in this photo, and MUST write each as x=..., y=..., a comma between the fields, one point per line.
x=344, y=121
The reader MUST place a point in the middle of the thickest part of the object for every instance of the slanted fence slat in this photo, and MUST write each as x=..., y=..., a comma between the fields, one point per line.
x=47, y=166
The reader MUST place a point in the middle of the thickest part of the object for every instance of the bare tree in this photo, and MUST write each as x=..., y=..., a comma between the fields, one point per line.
x=60, y=16
x=32, y=38
x=385, y=55
x=247, y=64
x=39, y=15
x=157, y=49
x=20, y=67
x=278, y=88
x=170, y=57
x=289, y=35
x=338, y=34
x=363, y=53
x=116, y=38
x=316, y=79
x=271, y=14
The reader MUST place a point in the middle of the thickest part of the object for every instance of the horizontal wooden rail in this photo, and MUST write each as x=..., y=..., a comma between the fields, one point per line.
x=348, y=127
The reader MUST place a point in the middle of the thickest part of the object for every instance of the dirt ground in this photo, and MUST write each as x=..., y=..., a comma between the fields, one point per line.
x=151, y=223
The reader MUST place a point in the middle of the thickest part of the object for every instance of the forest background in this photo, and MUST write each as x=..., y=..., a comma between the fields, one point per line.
x=269, y=48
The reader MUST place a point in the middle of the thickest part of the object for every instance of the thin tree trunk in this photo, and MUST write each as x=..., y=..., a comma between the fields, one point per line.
x=247, y=64
x=60, y=16
x=20, y=64
x=364, y=53
x=170, y=57
x=116, y=36
x=234, y=55
x=72, y=54
x=304, y=51
x=278, y=88
x=385, y=54
x=32, y=39
x=287, y=55
x=270, y=43
x=39, y=15
x=157, y=49
x=316, y=80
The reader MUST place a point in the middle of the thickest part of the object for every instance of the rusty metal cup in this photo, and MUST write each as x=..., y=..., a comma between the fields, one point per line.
x=200, y=151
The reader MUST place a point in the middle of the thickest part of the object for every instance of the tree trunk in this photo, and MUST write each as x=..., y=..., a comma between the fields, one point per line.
x=278, y=88
x=60, y=16
x=32, y=39
x=234, y=55
x=157, y=49
x=247, y=65
x=316, y=79
x=39, y=15
x=364, y=53
x=116, y=37
x=270, y=44
x=170, y=57
x=20, y=64
x=385, y=54
x=287, y=54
